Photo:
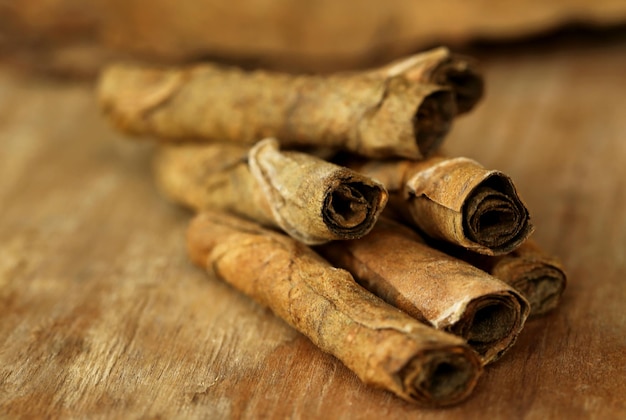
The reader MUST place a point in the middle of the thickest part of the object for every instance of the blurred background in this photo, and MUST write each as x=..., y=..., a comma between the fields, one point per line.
x=75, y=37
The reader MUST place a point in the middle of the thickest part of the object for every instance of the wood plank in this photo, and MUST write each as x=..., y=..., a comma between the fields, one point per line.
x=102, y=315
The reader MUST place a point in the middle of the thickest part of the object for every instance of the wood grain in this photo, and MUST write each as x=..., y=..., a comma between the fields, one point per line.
x=102, y=315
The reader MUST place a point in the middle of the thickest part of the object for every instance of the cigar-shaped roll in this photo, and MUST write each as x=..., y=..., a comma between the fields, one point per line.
x=395, y=264
x=312, y=200
x=440, y=67
x=372, y=116
x=382, y=345
x=536, y=275
x=456, y=200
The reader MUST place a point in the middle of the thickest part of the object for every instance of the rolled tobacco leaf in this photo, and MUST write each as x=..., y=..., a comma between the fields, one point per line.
x=536, y=275
x=456, y=200
x=395, y=264
x=440, y=67
x=312, y=200
x=372, y=116
x=383, y=346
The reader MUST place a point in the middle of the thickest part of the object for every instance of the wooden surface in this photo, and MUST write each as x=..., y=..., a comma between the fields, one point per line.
x=101, y=314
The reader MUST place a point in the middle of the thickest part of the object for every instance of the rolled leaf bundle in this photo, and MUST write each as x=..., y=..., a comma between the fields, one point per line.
x=372, y=116
x=395, y=264
x=456, y=200
x=312, y=200
x=383, y=346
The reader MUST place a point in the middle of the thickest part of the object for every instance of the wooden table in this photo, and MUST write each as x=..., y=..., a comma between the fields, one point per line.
x=102, y=315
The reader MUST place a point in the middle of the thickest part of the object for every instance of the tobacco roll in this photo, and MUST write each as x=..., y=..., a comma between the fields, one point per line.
x=456, y=200
x=312, y=200
x=449, y=294
x=383, y=346
x=536, y=275
x=440, y=67
x=376, y=117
